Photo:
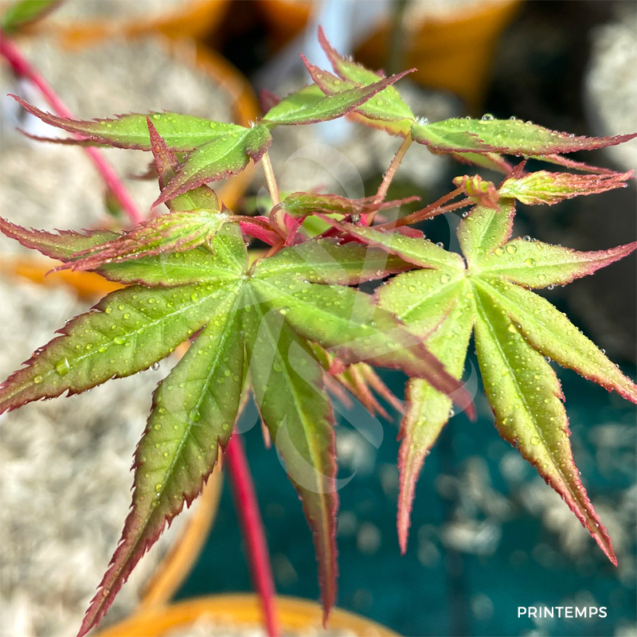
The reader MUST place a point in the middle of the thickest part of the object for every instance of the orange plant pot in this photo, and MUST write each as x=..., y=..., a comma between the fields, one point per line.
x=198, y=19
x=285, y=18
x=296, y=615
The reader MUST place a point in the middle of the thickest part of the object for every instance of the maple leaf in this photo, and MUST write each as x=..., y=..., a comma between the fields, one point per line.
x=448, y=299
x=273, y=308
x=474, y=141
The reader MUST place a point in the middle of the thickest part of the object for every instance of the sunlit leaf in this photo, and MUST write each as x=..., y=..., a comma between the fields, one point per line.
x=526, y=398
x=511, y=136
x=288, y=389
x=172, y=233
x=310, y=105
x=215, y=160
x=194, y=411
x=548, y=188
x=534, y=264
x=181, y=132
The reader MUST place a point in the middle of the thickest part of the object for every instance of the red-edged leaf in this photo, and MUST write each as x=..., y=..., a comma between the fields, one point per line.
x=553, y=335
x=194, y=410
x=164, y=270
x=166, y=166
x=310, y=105
x=125, y=332
x=576, y=165
x=428, y=410
x=534, y=264
x=216, y=160
x=526, y=398
x=181, y=132
x=171, y=233
x=288, y=389
x=60, y=245
x=548, y=188
x=513, y=137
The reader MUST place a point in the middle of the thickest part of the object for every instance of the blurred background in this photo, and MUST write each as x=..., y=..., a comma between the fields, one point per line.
x=487, y=534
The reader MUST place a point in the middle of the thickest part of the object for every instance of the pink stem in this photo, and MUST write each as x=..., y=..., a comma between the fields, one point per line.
x=253, y=531
x=22, y=67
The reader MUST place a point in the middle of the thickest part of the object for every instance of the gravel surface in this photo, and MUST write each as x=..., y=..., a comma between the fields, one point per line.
x=81, y=10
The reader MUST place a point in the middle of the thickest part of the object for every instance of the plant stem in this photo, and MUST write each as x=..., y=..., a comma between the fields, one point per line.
x=23, y=68
x=432, y=210
x=393, y=167
x=271, y=179
x=253, y=532
x=388, y=176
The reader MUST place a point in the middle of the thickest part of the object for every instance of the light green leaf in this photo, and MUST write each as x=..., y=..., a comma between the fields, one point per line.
x=427, y=409
x=551, y=333
x=194, y=411
x=128, y=331
x=326, y=261
x=180, y=132
x=527, y=401
x=288, y=389
x=484, y=230
x=535, y=264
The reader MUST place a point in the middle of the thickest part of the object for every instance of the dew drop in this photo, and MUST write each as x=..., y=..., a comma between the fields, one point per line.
x=38, y=379
x=155, y=366
x=194, y=415
x=511, y=249
x=529, y=262
x=63, y=367
x=535, y=440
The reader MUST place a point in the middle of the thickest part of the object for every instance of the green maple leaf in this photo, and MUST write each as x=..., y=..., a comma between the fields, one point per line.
x=488, y=294
x=255, y=325
x=473, y=141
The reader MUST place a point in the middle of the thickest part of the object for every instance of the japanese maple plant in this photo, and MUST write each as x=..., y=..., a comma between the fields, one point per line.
x=293, y=325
